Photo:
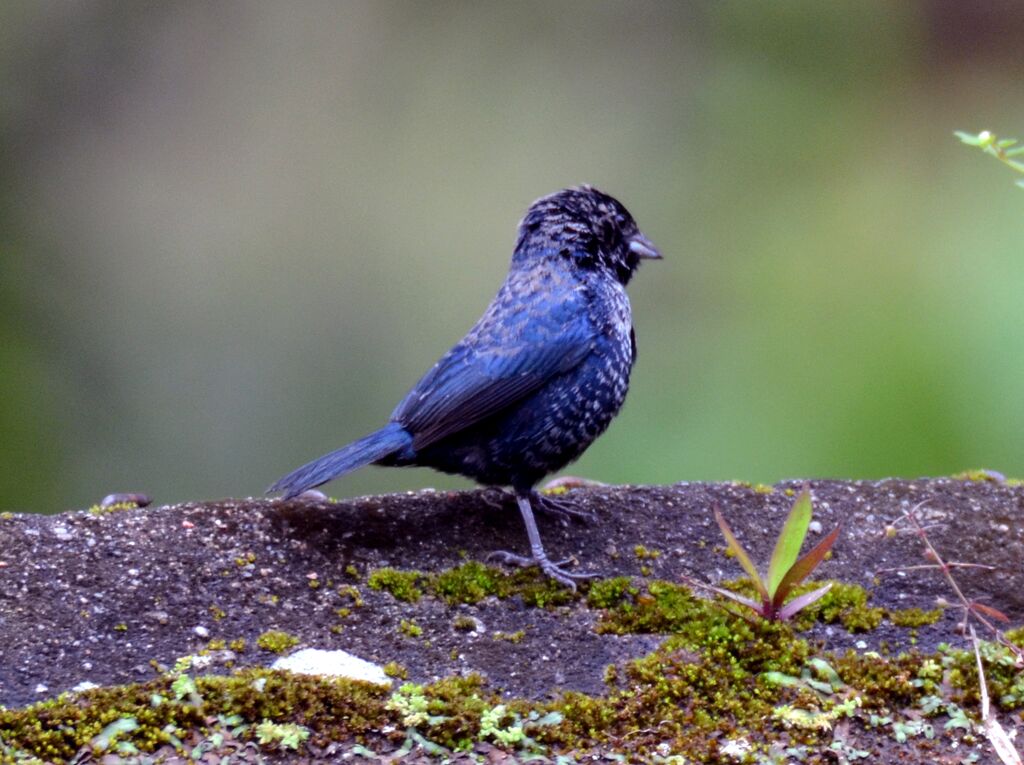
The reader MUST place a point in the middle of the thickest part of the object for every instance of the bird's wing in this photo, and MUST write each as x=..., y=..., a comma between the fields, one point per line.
x=496, y=365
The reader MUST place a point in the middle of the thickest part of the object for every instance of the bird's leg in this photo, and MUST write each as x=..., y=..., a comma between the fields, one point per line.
x=561, y=507
x=537, y=555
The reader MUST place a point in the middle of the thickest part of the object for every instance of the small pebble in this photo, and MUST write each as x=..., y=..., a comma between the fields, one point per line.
x=201, y=631
x=814, y=527
x=312, y=495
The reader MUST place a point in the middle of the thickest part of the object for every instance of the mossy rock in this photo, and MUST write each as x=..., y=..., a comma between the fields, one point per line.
x=633, y=663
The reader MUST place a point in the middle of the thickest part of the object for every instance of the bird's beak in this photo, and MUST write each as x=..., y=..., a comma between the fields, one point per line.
x=643, y=247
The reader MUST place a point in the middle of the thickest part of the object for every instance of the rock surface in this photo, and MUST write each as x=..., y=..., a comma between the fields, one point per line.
x=114, y=597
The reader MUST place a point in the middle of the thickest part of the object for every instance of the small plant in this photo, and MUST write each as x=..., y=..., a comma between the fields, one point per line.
x=277, y=641
x=785, y=571
x=1003, y=149
x=285, y=735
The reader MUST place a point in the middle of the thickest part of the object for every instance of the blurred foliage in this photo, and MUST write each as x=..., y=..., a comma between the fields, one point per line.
x=234, y=234
x=1003, y=149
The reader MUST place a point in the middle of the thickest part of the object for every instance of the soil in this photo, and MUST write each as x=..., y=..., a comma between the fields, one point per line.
x=113, y=598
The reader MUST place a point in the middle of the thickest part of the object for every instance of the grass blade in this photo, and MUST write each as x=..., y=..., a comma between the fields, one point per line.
x=791, y=538
x=805, y=566
x=741, y=554
x=743, y=599
x=801, y=602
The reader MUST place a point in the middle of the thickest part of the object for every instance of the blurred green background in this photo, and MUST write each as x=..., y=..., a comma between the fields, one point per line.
x=233, y=234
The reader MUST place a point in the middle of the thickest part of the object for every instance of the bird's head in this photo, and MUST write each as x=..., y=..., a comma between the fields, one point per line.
x=588, y=227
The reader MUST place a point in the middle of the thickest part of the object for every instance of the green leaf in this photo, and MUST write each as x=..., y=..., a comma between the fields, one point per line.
x=825, y=671
x=551, y=718
x=741, y=554
x=113, y=731
x=969, y=138
x=787, y=548
x=1006, y=143
x=1015, y=152
x=780, y=678
x=183, y=686
x=805, y=566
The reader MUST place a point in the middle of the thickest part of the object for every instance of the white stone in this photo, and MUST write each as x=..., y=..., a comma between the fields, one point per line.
x=316, y=661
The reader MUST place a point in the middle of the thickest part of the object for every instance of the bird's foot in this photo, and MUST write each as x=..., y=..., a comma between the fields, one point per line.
x=550, y=568
x=561, y=508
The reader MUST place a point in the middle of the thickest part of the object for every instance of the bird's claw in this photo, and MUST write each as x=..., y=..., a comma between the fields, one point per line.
x=552, y=569
x=563, y=509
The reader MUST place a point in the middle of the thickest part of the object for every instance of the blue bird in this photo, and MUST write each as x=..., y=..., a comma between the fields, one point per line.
x=537, y=378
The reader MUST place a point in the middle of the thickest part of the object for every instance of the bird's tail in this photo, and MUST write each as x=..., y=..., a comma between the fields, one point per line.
x=379, y=444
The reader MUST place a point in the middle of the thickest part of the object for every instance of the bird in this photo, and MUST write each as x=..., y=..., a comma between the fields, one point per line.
x=536, y=380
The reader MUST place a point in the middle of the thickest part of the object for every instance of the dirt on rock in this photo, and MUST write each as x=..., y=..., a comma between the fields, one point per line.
x=111, y=598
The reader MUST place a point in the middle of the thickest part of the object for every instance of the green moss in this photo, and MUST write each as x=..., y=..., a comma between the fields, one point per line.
x=763, y=488
x=663, y=607
x=396, y=670
x=914, y=617
x=352, y=594
x=403, y=585
x=277, y=641
x=470, y=583
x=607, y=593
x=642, y=553
x=843, y=603
x=862, y=619
x=719, y=679
x=510, y=637
x=714, y=679
x=409, y=628
x=113, y=508
x=554, y=491
x=463, y=623
x=538, y=590
x=978, y=475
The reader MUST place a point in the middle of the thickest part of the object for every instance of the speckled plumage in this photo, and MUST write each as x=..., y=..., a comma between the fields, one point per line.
x=537, y=378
